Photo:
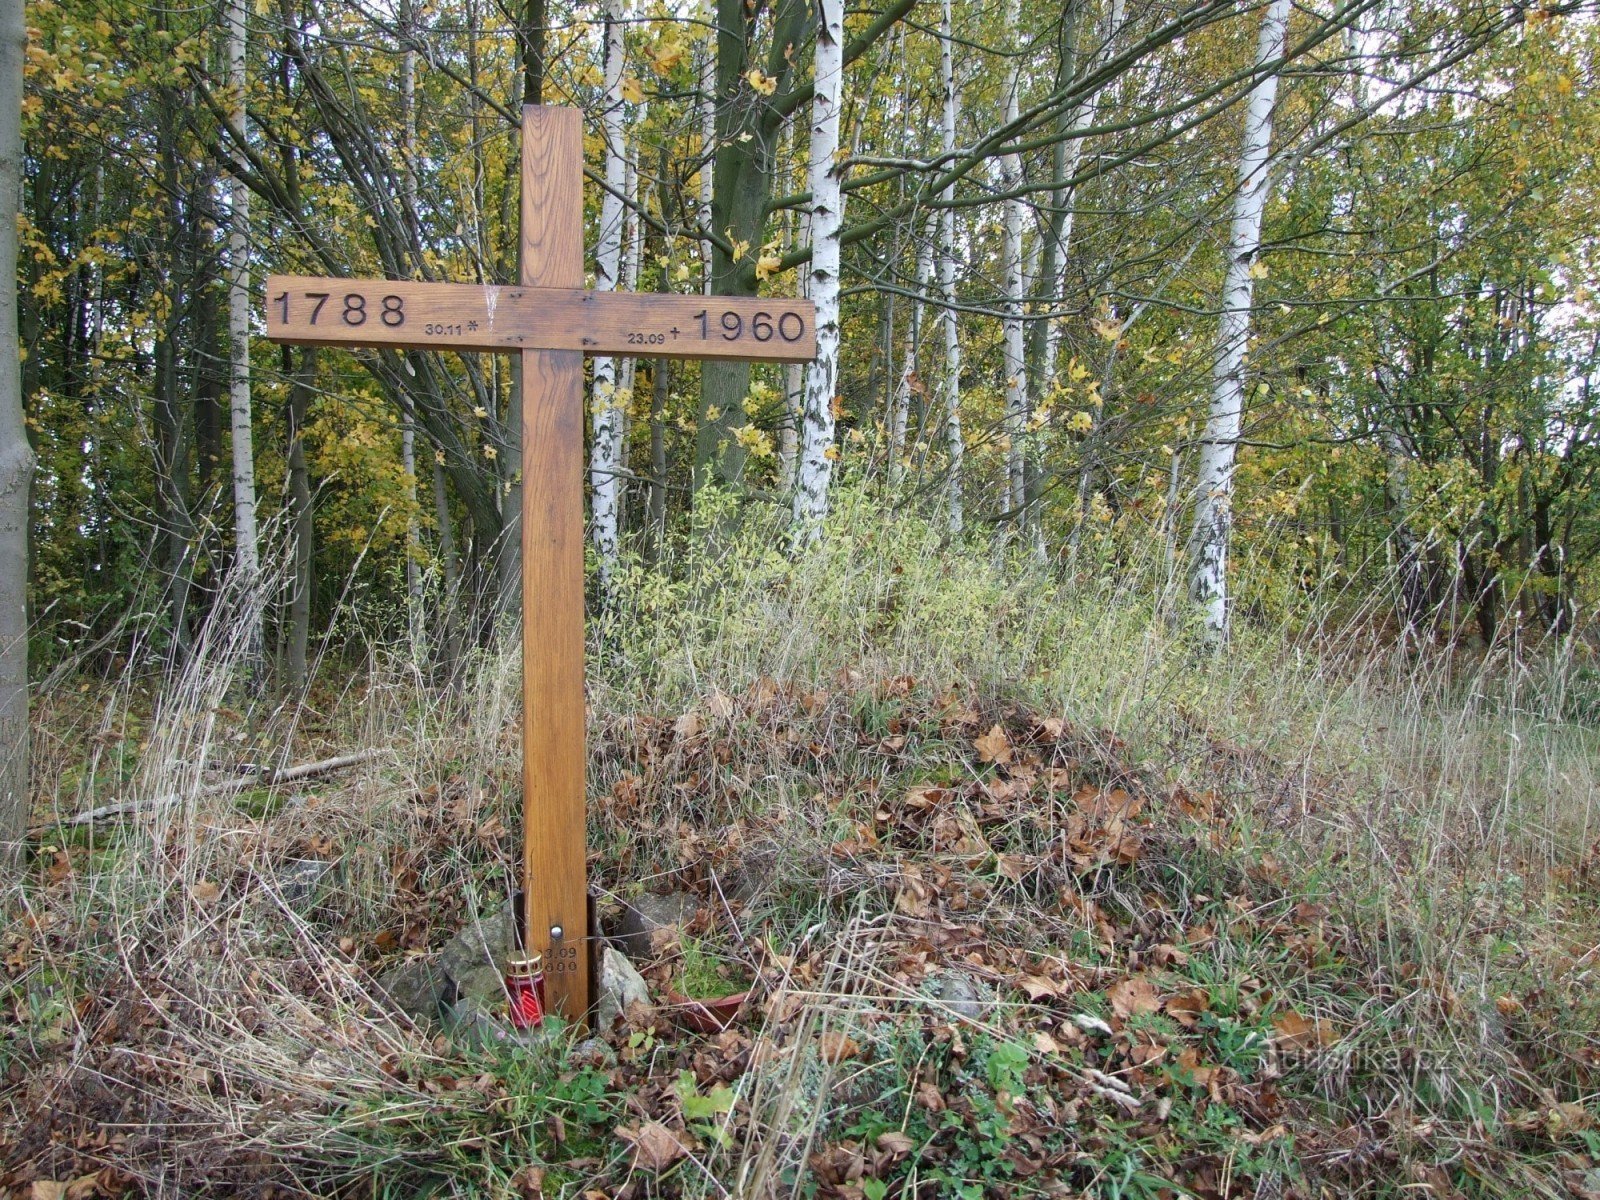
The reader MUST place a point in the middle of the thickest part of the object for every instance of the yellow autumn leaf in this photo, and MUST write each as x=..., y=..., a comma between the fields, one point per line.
x=666, y=56
x=1258, y=270
x=761, y=81
x=631, y=91
x=768, y=264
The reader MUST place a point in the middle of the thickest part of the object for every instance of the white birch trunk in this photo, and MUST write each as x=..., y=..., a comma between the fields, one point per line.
x=605, y=455
x=247, y=562
x=632, y=258
x=817, y=451
x=16, y=459
x=900, y=414
x=1015, y=365
x=1213, y=509
x=708, y=154
x=794, y=394
x=951, y=384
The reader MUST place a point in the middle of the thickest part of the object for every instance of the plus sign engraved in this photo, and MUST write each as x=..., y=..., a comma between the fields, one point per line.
x=553, y=323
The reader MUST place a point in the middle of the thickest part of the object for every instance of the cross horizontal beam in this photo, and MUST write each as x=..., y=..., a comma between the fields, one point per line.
x=313, y=310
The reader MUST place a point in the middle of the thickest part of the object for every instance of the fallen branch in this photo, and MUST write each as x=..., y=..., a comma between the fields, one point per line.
x=257, y=779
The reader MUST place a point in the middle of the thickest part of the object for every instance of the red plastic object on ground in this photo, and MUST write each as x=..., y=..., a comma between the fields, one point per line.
x=525, y=988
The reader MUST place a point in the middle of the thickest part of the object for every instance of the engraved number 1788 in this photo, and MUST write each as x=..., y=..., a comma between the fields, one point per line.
x=353, y=312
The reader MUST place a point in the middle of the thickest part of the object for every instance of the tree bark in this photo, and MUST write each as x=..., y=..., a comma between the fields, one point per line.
x=951, y=384
x=16, y=459
x=605, y=452
x=246, y=563
x=817, y=451
x=302, y=531
x=1213, y=510
x=910, y=382
x=1015, y=366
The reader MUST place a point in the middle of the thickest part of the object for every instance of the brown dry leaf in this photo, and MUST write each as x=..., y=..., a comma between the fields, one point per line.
x=834, y=1046
x=1185, y=1008
x=927, y=797
x=929, y=1096
x=1044, y=1043
x=655, y=1147
x=994, y=746
x=721, y=705
x=1301, y=1032
x=47, y=1189
x=204, y=892
x=1038, y=987
x=688, y=725
x=1135, y=994
x=896, y=1142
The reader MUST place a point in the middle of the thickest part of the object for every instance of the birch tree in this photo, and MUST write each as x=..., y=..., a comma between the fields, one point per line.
x=16, y=456
x=817, y=451
x=950, y=388
x=1013, y=362
x=605, y=456
x=910, y=382
x=247, y=562
x=1219, y=447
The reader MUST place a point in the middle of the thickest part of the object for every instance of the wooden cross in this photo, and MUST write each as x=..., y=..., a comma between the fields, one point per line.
x=553, y=323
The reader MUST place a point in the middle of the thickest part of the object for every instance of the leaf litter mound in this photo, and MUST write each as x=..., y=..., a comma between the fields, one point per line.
x=986, y=953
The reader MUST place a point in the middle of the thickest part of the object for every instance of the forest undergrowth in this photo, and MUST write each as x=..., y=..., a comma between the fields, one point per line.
x=1035, y=894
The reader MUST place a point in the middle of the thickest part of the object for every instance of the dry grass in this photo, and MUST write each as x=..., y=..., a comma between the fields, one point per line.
x=1396, y=842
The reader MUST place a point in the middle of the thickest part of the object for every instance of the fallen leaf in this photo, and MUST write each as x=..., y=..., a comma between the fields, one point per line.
x=1185, y=1008
x=688, y=725
x=721, y=705
x=204, y=892
x=655, y=1147
x=994, y=746
x=1132, y=995
x=47, y=1189
x=1038, y=987
x=835, y=1047
x=896, y=1142
x=1297, y=1031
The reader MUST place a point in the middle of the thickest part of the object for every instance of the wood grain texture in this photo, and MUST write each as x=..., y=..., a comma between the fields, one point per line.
x=315, y=310
x=552, y=197
x=554, y=811
x=554, y=757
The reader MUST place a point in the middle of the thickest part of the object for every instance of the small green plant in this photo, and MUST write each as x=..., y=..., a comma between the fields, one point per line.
x=702, y=975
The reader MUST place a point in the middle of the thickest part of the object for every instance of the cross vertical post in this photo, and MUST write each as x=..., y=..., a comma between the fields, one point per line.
x=554, y=795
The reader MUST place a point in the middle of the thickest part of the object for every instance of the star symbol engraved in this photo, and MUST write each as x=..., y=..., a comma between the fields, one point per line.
x=472, y=324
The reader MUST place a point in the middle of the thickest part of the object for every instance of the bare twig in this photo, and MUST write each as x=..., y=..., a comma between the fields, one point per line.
x=286, y=775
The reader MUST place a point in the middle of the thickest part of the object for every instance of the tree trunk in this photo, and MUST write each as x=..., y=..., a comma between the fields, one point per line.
x=909, y=382
x=605, y=452
x=16, y=459
x=746, y=140
x=817, y=451
x=246, y=563
x=302, y=532
x=408, y=426
x=660, y=380
x=951, y=384
x=1213, y=510
x=1014, y=501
